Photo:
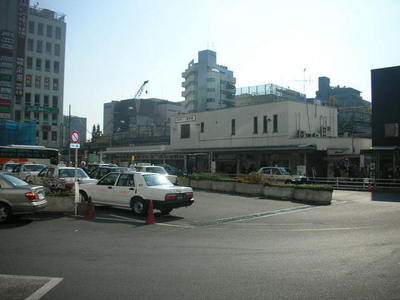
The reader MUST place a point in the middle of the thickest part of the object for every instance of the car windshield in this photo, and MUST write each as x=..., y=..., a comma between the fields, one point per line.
x=33, y=168
x=62, y=173
x=157, y=170
x=14, y=181
x=284, y=171
x=11, y=167
x=155, y=179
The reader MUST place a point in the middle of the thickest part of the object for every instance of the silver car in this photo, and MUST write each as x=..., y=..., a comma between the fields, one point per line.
x=18, y=197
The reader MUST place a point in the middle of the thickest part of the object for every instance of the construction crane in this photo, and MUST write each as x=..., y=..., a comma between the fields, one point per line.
x=140, y=90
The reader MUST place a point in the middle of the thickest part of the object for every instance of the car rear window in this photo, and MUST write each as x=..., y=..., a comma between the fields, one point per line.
x=157, y=170
x=14, y=181
x=34, y=168
x=156, y=179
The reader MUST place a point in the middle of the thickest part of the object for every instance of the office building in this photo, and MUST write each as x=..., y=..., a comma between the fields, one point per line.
x=32, y=55
x=207, y=86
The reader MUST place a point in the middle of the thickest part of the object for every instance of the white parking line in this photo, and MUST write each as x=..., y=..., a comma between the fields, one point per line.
x=52, y=282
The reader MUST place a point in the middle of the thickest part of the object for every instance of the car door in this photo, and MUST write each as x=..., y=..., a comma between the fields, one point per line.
x=103, y=190
x=124, y=190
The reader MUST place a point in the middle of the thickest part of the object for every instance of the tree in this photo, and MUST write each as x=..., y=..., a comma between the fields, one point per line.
x=98, y=132
x=94, y=131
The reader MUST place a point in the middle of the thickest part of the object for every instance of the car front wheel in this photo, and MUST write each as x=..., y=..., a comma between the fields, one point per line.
x=5, y=213
x=139, y=207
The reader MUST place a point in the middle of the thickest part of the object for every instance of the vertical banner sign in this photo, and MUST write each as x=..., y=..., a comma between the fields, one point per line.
x=7, y=46
x=23, y=7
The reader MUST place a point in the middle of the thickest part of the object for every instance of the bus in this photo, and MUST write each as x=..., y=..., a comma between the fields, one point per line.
x=28, y=154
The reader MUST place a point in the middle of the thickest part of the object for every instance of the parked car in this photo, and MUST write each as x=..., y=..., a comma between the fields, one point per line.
x=281, y=174
x=134, y=189
x=18, y=197
x=156, y=169
x=9, y=167
x=91, y=167
x=59, y=178
x=24, y=170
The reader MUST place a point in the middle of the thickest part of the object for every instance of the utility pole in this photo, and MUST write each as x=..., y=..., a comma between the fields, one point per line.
x=69, y=132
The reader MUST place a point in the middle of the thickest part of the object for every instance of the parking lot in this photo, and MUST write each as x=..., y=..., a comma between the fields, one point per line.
x=224, y=246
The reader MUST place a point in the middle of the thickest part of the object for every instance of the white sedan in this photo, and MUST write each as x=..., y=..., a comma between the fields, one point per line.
x=134, y=190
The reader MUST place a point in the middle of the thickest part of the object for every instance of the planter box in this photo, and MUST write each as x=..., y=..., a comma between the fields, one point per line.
x=249, y=188
x=60, y=204
x=200, y=184
x=223, y=186
x=183, y=181
x=321, y=197
x=275, y=192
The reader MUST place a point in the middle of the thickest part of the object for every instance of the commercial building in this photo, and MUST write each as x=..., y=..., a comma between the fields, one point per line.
x=354, y=113
x=242, y=139
x=265, y=93
x=32, y=54
x=383, y=159
x=139, y=121
x=207, y=86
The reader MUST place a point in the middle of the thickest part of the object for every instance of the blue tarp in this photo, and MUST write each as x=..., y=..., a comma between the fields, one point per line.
x=17, y=133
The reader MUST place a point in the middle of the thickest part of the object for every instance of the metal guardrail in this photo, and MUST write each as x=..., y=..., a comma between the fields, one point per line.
x=359, y=184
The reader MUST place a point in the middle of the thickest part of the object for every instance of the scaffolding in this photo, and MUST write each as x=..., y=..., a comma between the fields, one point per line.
x=17, y=133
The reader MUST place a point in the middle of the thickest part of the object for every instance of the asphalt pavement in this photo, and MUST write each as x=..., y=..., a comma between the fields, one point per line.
x=223, y=247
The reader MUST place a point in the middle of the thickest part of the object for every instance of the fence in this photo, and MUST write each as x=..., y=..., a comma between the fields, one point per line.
x=358, y=184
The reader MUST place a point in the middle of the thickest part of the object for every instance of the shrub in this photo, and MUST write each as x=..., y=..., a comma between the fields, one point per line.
x=320, y=187
x=60, y=194
x=207, y=176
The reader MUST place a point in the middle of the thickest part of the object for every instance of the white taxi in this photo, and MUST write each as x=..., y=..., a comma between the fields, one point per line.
x=134, y=190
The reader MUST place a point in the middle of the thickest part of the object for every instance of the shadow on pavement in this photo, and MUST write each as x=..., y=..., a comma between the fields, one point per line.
x=385, y=197
x=15, y=222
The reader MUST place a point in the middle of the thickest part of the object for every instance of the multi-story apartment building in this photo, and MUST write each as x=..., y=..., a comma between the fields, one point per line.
x=208, y=86
x=32, y=72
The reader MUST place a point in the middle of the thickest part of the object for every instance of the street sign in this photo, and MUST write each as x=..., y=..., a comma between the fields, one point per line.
x=74, y=146
x=75, y=136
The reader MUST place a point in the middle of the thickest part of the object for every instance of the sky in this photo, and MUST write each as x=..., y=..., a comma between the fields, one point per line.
x=112, y=47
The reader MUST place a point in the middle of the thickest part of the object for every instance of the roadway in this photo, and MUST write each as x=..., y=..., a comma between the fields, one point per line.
x=225, y=246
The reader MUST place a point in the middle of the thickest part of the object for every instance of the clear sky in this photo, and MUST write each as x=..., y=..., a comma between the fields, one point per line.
x=113, y=46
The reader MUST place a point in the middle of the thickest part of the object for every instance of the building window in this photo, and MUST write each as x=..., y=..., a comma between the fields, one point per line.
x=255, y=125
x=30, y=45
x=28, y=99
x=210, y=99
x=265, y=124
x=210, y=89
x=54, y=119
x=56, y=67
x=185, y=131
x=39, y=46
x=54, y=135
x=17, y=115
x=233, y=127
x=47, y=83
x=37, y=100
x=28, y=80
x=36, y=116
x=57, y=49
x=18, y=99
x=47, y=65
x=210, y=79
x=40, y=29
x=275, y=123
x=49, y=31
x=55, y=84
x=58, y=33
x=29, y=62
x=45, y=117
x=38, y=64
x=27, y=116
x=38, y=82
x=45, y=135
x=55, y=101
x=46, y=101
x=48, y=48
x=31, y=27
x=202, y=127
x=392, y=129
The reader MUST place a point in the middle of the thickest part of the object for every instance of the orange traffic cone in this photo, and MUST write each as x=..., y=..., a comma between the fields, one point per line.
x=150, y=214
x=90, y=210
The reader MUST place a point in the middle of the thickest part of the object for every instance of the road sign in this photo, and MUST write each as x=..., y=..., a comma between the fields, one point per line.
x=74, y=146
x=75, y=136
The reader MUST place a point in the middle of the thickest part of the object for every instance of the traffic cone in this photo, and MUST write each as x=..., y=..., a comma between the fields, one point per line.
x=150, y=214
x=90, y=210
